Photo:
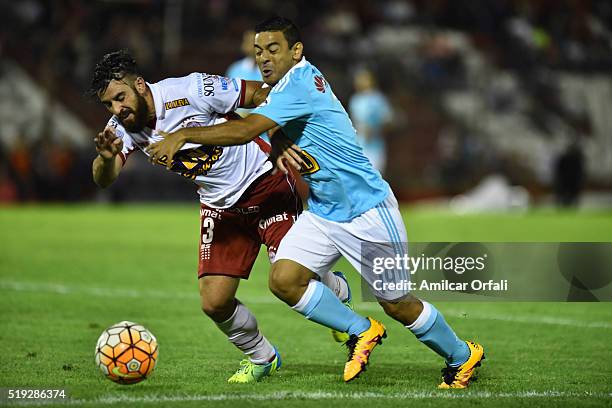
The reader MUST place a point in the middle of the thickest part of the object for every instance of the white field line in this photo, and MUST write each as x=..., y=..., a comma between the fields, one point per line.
x=132, y=293
x=61, y=289
x=322, y=395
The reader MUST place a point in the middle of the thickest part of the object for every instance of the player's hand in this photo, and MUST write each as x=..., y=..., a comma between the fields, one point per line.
x=285, y=151
x=291, y=156
x=165, y=149
x=108, y=145
x=260, y=95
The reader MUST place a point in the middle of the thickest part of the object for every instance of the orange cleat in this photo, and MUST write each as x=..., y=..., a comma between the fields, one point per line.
x=360, y=347
x=459, y=377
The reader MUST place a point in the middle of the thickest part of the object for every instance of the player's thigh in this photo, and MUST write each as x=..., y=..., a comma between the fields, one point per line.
x=372, y=241
x=279, y=211
x=228, y=244
x=383, y=223
x=308, y=245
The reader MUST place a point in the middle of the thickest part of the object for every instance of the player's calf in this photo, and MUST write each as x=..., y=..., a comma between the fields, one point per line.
x=236, y=321
x=431, y=329
x=405, y=311
x=242, y=331
x=338, y=284
x=218, y=311
x=218, y=296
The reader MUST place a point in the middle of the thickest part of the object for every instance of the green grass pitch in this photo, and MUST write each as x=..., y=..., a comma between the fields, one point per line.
x=66, y=273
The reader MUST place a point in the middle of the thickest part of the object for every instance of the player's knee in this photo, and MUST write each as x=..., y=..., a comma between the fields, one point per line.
x=283, y=284
x=390, y=309
x=217, y=308
x=279, y=284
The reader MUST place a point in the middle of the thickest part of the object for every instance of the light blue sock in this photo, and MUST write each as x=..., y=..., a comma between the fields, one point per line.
x=432, y=330
x=320, y=305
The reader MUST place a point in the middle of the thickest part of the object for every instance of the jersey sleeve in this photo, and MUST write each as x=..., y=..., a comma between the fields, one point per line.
x=285, y=103
x=214, y=93
x=128, y=143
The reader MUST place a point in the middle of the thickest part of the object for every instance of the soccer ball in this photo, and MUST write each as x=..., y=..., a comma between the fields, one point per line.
x=126, y=353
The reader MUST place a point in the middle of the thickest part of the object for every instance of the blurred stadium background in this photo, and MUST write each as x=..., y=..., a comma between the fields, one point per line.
x=496, y=104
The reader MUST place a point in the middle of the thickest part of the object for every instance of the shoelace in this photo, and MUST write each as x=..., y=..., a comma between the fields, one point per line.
x=351, y=343
x=245, y=367
x=449, y=373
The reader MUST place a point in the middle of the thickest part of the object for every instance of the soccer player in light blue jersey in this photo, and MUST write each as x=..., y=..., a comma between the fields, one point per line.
x=370, y=112
x=351, y=210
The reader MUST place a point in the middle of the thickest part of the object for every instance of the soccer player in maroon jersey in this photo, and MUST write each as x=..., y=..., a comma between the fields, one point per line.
x=244, y=204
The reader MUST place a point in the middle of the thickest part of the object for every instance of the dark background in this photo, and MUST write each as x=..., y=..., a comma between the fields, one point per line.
x=515, y=89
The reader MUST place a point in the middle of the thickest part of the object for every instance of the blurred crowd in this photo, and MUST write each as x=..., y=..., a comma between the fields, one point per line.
x=418, y=53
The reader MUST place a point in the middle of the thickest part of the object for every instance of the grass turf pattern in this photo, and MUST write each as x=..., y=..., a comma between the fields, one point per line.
x=67, y=272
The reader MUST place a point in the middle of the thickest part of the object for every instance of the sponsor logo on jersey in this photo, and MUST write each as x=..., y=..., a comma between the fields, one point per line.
x=192, y=163
x=248, y=210
x=207, y=87
x=177, y=103
x=311, y=165
x=223, y=83
x=272, y=253
x=263, y=224
x=207, y=212
x=319, y=82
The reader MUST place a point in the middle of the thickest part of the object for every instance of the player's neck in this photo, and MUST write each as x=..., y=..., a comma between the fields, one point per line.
x=286, y=72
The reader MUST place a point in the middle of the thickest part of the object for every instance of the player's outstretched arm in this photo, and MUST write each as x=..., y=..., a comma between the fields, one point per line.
x=255, y=93
x=107, y=165
x=233, y=132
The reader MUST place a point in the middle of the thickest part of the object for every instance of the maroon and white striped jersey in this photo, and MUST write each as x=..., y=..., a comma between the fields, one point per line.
x=222, y=173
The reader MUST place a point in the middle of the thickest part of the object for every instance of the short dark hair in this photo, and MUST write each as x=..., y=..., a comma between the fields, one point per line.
x=114, y=65
x=284, y=25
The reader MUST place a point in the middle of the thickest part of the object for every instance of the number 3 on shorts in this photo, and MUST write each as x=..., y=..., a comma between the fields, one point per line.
x=208, y=224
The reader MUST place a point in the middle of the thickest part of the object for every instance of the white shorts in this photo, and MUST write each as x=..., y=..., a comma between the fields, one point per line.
x=317, y=244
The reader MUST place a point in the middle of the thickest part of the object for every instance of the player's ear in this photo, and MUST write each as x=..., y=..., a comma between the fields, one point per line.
x=140, y=85
x=297, y=51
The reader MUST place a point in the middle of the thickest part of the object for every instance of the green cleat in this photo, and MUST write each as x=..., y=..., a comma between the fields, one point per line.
x=249, y=372
x=342, y=337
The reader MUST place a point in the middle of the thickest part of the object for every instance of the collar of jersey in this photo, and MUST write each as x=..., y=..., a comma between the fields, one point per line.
x=300, y=64
x=158, y=101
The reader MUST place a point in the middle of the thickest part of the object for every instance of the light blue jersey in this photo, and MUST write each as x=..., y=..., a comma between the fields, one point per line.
x=343, y=183
x=370, y=111
x=244, y=68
